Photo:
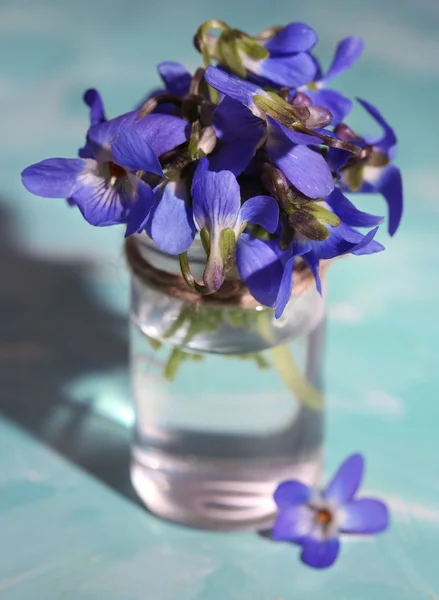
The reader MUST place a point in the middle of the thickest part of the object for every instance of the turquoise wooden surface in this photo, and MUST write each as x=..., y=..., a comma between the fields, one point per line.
x=64, y=297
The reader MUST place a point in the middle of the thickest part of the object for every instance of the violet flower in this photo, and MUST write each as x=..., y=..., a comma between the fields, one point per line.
x=315, y=520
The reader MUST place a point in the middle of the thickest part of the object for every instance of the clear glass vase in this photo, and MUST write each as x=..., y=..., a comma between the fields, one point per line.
x=228, y=401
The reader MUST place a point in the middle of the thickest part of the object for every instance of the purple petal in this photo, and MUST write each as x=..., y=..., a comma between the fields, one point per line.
x=285, y=287
x=216, y=201
x=141, y=207
x=240, y=132
x=336, y=159
x=293, y=524
x=175, y=77
x=336, y=103
x=54, y=177
x=365, y=515
x=343, y=486
x=389, y=184
x=295, y=136
x=320, y=554
x=101, y=203
x=260, y=267
x=388, y=140
x=292, y=71
x=347, y=53
x=133, y=152
x=232, y=86
x=104, y=134
x=313, y=263
x=304, y=168
x=345, y=240
x=290, y=493
x=294, y=37
x=171, y=224
x=348, y=213
x=93, y=99
x=261, y=210
x=163, y=132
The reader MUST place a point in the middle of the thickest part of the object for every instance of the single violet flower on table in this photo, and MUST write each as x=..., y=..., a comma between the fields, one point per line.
x=315, y=520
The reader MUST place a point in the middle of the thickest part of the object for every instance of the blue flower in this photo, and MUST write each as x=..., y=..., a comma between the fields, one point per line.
x=104, y=185
x=289, y=62
x=243, y=127
x=315, y=520
x=373, y=172
x=347, y=53
x=216, y=201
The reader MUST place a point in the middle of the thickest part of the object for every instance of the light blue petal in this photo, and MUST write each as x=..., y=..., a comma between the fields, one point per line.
x=345, y=483
x=101, y=203
x=175, y=77
x=291, y=493
x=304, y=168
x=260, y=267
x=216, y=201
x=294, y=37
x=320, y=554
x=171, y=224
x=293, y=524
x=133, y=152
x=54, y=177
x=261, y=210
x=365, y=515
x=347, y=53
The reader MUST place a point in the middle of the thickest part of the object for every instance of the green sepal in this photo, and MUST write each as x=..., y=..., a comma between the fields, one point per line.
x=227, y=248
x=355, y=177
x=205, y=240
x=321, y=213
x=229, y=52
x=252, y=49
x=276, y=107
x=304, y=222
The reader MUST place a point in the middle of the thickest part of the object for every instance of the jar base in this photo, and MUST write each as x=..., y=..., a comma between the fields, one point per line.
x=212, y=494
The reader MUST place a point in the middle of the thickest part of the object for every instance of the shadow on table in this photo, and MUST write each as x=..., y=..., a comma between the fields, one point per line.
x=52, y=330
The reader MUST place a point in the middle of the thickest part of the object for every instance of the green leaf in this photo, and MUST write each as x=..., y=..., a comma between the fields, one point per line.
x=322, y=214
x=251, y=48
x=304, y=222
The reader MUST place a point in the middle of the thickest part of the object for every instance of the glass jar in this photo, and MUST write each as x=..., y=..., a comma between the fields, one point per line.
x=228, y=400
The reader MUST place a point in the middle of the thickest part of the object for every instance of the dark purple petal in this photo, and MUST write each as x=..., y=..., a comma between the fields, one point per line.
x=347, y=53
x=293, y=524
x=216, y=201
x=261, y=210
x=365, y=515
x=345, y=240
x=54, y=177
x=389, y=184
x=290, y=493
x=291, y=71
x=348, y=213
x=240, y=132
x=140, y=208
x=294, y=37
x=343, y=486
x=171, y=224
x=336, y=159
x=232, y=86
x=313, y=263
x=93, y=99
x=101, y=203
x=304, y=168
x=133, y=152
x=336, y=103
x=285, y=287
x=388, y=140
x=163, y=132
x=175, y=77
x=320, y=554
x=260, y=267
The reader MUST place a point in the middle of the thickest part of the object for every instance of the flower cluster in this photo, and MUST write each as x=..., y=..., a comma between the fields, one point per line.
x=314, y=520
x=252, y=155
